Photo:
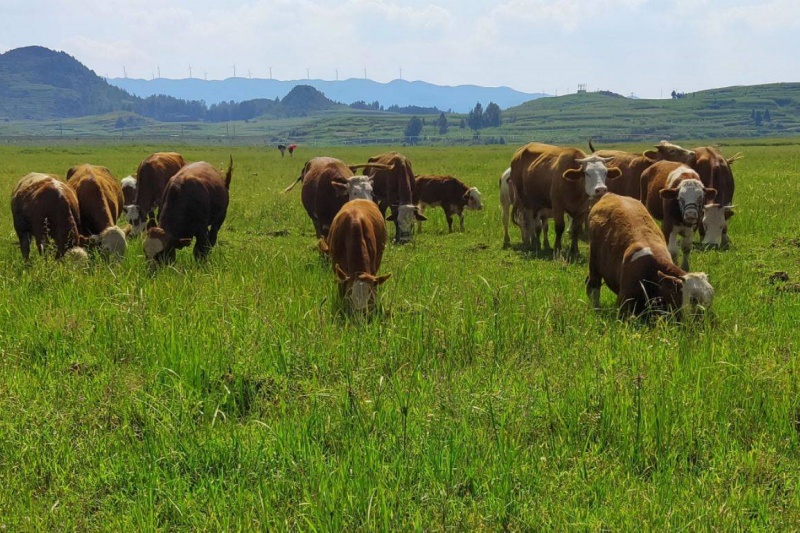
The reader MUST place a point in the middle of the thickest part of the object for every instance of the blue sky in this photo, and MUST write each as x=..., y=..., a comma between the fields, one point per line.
x=645, y=47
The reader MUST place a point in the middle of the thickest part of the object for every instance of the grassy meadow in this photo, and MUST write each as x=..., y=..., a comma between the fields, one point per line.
x=485, y=395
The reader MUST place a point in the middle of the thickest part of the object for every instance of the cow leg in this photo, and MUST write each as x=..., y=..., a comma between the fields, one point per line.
x=672, y=245
x=506, y=216
x=448, y=213
x=575, y=227
x=594, y=280
x=25, y=244
x=686, y=247
x=461, y=219
x=212, y=235
x=528, y=229
x=202, y=246
x=421, y=208
x=558, y=219
x=545, y=229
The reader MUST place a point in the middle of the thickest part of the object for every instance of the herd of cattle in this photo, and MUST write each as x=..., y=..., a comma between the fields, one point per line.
x=615, y=195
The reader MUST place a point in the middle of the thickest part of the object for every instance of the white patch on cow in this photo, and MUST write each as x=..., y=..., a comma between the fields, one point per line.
x=128, y=182
x=594, y=172
x=405, y=220
x=136, y=220
x=474, y=199
x=676, y=174
x=77, y=256
x=152, y=247
x=361, y=295
x=359, y=187
x=696, y=291
x=715, y=224
x=691, y=198
x=113, y=241
x=641, y=253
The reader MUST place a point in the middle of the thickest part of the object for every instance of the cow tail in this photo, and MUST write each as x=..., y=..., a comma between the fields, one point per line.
x=591, y=147
x=298, y=180
x=229, y=174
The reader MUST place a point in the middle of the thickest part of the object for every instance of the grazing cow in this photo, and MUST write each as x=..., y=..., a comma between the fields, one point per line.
x=356, y=242
x=627, y=251
x=195, y=205
x=282, y=148
x=128, y=185
x=448, y=193
x=328, y=183
x=45, y=208
x=394, y=188
x=292, y=148
x=673, y=193
x=564, y=180
x=630, y=165
x=151, y=177
x=100, y=200
x=714, y=171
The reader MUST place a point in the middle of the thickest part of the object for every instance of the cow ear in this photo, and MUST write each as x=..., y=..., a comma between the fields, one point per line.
x=341, y=274
x=668, y=194
x=573, y=174
x=340, y=188
x=418, y=215
x=711, y=193
x=71, y=171
x=380, y=279
x=665, y=280
x=652, y=154
x=613, y=173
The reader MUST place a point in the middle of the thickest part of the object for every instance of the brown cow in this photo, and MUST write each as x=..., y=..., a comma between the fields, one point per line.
x=673, y=193
x=151, y=179
x=328, y=183
x=562, y=179
x=394, y=189
x=356, y=242
x=43, y=208
x=195, y=205
x=446, y=192
x=714, y=171
x=628, y=252
x=100, y=201
x=630, y=165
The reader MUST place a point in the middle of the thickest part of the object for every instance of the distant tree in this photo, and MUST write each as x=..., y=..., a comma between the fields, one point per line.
x=441, y=123
x=758, y=118
x=767, y=117
x=674, y=94
x=475, y=119
x=413, y=129
x=753, y=114
x=120, y=123
x=462, y=124
x=491, y=117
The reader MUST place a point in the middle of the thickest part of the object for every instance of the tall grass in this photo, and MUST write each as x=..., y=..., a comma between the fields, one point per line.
x=486, y=394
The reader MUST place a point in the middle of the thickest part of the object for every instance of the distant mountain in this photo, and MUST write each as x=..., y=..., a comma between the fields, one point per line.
x=401, y=93
x=38, y=83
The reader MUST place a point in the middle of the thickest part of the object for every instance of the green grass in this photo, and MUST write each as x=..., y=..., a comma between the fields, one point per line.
x=485, y=395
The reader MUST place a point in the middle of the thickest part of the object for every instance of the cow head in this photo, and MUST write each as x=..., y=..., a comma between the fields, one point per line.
x=77, y=255
x=160, y=247
x=406, y=215
x=715, y=223
x=687, y=292
x=359, y=290
x=473, y=199
x=594, y=174
x=111, y=241
x=666, y=151
x=137, y=219
x=691, y=196
x=354, y=187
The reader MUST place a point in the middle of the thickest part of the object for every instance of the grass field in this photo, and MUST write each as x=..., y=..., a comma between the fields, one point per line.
x=486, y=394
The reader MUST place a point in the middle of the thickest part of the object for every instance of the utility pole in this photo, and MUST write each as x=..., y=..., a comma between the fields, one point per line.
x=124, y=73
x=234, y=70
x=159, y=71
x=337, y=73
x=401, y=73
x=270, y=72
x=190, y=72
x=308, y=73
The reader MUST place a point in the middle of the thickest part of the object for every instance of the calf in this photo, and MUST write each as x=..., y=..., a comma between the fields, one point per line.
x=194, y=205
x=356, y=243
x=558, y=178
x=100, y=200
x=628, y=252
x=510, y=212
x=328, y=183
x=394, y=188
x=674, y=194
x=448, y=193
x=43, y=208
x=151, y=178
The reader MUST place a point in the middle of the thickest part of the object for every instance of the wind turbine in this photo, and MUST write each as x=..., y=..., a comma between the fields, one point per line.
x=124, y=72
x=190, y=72
x=159, y=71
x=308, y=73
x=270, y=72
x=234, y=70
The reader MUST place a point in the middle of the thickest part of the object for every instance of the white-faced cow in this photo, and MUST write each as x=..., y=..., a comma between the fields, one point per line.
x=128, y=185
x=356, y=243
x=100, y=201
x=673, y=193
x=447, y=192
x=393, y=188
x=195, y=203
x=715, y=172
x=151, y=178
x=627, y=251
x=45, y=208
x=562, y=179
x=328, y=183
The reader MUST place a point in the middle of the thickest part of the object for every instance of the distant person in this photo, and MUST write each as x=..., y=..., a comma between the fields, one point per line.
x=282, y=148
x=291, y=149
